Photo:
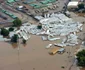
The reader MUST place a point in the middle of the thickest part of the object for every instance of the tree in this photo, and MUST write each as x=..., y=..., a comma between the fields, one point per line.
x=4, y=32
x=14, y=38
x=81, y=58
x=81, y=6
x=39, y=26
x=83, y=11
x=11, y=29
x=76, y=9
x=17, y=22
x=24, y=41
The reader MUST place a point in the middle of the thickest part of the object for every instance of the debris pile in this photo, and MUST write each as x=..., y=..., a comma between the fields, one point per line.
x=56, y=25
x=53, y=28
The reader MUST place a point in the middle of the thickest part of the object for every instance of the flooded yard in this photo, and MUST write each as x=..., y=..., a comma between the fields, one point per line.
x=83, y=68
x=34, y=56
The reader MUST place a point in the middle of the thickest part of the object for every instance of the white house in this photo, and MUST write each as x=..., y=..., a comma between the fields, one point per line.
x=72, y=5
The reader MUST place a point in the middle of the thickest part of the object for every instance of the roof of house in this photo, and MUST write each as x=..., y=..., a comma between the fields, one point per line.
x=73, y=3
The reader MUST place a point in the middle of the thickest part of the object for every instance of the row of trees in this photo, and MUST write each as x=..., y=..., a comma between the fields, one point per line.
x=16, y=23
x=5, y=32
x=15, y=39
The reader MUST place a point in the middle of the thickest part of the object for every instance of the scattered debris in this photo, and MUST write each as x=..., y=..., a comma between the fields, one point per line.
x=48, y=46
x=55, y=25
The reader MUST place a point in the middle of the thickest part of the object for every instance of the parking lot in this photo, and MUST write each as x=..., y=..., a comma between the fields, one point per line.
x=28, y=9
x=37, y=8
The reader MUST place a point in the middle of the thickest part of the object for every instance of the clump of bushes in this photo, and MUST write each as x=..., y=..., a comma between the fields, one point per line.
x=62, y=67
x=24, y=41
x=81, y=6
x=83, y=11
x=17, y=22
x=39, y=27
x=4, y=32
x=81, y=58
x=14, y=38
x=11, y=29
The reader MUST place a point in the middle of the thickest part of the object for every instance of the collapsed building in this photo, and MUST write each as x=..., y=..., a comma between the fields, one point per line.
x=55, y=27
x=60, y=25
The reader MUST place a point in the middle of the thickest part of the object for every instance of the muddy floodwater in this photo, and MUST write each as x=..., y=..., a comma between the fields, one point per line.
x=34, y=56
x=83, y=68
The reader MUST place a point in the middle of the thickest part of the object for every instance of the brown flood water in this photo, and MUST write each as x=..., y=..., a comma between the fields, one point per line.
x=33, y=56
x=83, y=68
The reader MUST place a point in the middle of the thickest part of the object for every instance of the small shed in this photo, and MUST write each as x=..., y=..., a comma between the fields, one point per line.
x=72, y=5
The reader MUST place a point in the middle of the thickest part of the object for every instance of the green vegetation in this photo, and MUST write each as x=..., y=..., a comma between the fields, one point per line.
x=62, y=67
x=76, y=9
x=83, y=11
x=4, y=32
x=17, y=22
x=81, y=58
x=24, y=41
x=11, y=29
x=81, y=6
x=39, y=27
x=14, y=38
